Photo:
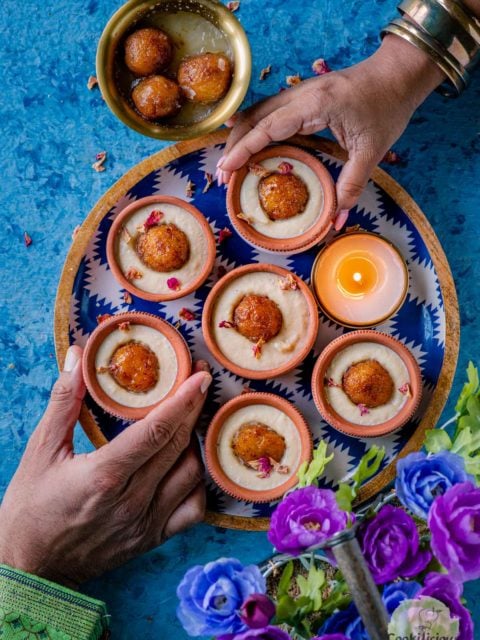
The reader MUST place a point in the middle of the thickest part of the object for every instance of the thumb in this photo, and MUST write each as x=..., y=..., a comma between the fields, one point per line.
x=55, y=430
x=350, y=184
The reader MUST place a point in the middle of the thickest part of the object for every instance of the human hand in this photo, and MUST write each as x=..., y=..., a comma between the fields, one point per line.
x=70, y=517
x=366, y=107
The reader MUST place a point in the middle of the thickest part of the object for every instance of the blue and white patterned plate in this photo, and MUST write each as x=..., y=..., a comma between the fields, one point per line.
x=420, y=324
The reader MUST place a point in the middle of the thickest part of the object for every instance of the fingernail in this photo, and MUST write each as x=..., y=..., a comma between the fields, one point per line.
x=220, y=162
x=71, y=359
x=341, y=219
x=206, y=382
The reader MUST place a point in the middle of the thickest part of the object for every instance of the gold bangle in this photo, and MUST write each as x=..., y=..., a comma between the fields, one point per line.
x=455, y=73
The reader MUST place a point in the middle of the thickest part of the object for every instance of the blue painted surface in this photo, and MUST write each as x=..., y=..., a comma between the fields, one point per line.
x=51, y=129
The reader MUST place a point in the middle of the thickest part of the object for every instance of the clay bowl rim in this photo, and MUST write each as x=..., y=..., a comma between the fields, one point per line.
x=297, y=244
x=339, y=321
x=105, y=328
x=115, y=231
x=350, y=428
x=209, y=306
x=211, y=458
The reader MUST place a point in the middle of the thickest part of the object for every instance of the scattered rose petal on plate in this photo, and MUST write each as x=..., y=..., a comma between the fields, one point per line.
x=173, y=284
x=288, y=282
x=331, y=383
x=153, y=219
x=265, y=72
x=258, y=169
x=186, y=314
x=226, y=324
x=406, y=390
x=245, y=218
x=126, y=235
x=233, y=5
x=320, y=67
x=103, y=369
x=363, y=409
x=257, y=349
x=124, y=326
x=27, y=239
x=353, y=229
x=224, y=234
x=391, y=157
x=190, y=189
x=133, y=274
x=208, y=182
x=92, y=82
x=99, y=163
x=292, y=81
x=127, y=298
x=285, y=168
x=104, y=316
x=246, y=389
x=177, y=324
x=263, y=465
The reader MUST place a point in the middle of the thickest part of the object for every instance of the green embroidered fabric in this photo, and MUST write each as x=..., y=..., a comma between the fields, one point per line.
x=32, y=608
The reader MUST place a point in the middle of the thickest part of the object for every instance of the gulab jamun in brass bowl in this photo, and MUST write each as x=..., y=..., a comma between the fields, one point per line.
x=134, y=361
x=173, y=69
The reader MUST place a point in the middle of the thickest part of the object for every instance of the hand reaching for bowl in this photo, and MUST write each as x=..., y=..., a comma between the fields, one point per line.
x=70, y=517
x=366, y=107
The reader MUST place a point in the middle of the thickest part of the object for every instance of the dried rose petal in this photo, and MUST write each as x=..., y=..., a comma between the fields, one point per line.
x=177, y=324
x=288, y=283
x=221, y=271
x=92, y=82
x=126, y=235
x=124, y=326
x=292, y=81
x=391, y=157
x=224, y=235
x=153, y=219
x=103, y=369
x=75, y=231
x=100, y=158
x=173, y=284
x=263, y=465
x=363, y=409
x=226, y=324
x=208, y=182
x=233, y=5
x=285, y=168
x=190, y=189
x=103, y=317
x=246, y=389
x=257, y=349
x=127, y=298
x=353, y=229
x=133, y=274
x=27, y=239
x=331, y=383
x=406, y=390
x=265, y=72
x=258, y=170
x=245, y=218
x=186, y=314
x=320, y=67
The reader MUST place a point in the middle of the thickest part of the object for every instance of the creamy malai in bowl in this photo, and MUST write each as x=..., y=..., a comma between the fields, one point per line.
x=366, y=384
x=255, y=445
x=260, y=321
x=283, y=200
x=161, y=248
x=134, y=361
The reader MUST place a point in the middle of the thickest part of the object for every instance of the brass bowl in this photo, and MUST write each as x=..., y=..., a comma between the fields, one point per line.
x=135, y=10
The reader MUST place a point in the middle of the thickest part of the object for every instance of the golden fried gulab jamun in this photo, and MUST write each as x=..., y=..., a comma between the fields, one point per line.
x=257, y=318
x=282, y=196
x=157, y=97
x=163, y=248
x=255, y=440
x=205, y=77
x=369, y=383
x=148, y=51
x=135, y=367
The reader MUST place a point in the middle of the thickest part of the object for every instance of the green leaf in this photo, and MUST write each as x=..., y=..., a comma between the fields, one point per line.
x=309, y=473
x=302, y=583
x=470, y=388
x=345, y=495
x=467, y=445
x=368, y=466
x=437, y=440
x=286, y=609
x=316, y=580
x=285, y=580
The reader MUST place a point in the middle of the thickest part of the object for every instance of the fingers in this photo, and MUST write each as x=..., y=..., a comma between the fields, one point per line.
x=173, y=421
x=54, y=432
x=351, y=182
x=191, y=511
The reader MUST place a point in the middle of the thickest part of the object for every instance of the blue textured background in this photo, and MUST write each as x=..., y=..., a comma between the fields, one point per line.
x=52, y=127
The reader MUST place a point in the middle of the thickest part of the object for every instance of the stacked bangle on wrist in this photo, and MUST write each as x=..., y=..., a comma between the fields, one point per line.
x=446, y=32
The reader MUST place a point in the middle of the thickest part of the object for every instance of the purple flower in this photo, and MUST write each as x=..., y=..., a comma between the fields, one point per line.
x=391, y=545
x=267, y=633
x=332, y=636
x=305, y=518
x=422, y=478
x=454, y=522
x=348, y=621
x=257, y=611
x=211, y=596
x=443, y=588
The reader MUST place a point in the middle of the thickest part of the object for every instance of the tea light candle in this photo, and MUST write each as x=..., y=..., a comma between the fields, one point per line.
x=360, y=279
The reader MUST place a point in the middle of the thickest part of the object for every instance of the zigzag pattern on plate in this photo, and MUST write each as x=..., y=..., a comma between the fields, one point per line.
x=420, y=324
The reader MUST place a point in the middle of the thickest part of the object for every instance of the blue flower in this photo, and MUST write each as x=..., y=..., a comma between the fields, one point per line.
x=211, y=596
x=349, y=622
x=422, y=478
